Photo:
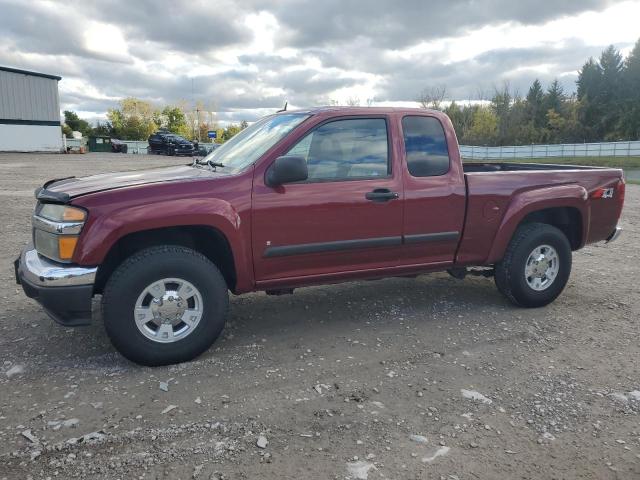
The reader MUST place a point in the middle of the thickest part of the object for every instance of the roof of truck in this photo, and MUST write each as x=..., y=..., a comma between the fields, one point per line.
x=360, y=110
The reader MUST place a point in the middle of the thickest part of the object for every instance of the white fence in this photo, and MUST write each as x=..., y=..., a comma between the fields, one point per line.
x=472, y=152
x=568, y=150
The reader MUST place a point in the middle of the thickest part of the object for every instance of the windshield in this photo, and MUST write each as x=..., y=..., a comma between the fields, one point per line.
x=252, y=142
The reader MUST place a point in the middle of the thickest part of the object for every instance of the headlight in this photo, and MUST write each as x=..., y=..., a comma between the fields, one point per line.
x=56, y=229
x=61, y=213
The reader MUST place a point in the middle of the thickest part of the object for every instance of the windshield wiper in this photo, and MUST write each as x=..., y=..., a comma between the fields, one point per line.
x=213, y=164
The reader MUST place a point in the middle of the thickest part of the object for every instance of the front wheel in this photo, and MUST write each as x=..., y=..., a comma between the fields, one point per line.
x=536, y=265
x=165, y=305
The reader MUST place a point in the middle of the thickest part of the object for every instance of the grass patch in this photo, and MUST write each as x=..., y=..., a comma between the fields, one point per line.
x=619, y=162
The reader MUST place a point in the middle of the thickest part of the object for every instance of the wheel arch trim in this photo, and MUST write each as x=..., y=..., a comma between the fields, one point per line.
x=531, y=201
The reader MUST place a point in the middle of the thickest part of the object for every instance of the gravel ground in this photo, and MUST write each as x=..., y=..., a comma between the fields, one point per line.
x=398, y=378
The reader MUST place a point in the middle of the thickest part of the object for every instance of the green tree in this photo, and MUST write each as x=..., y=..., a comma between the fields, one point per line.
x=102, y=129
x=134, y=120
x=484, y=129
x=66, y=131
x=589, y=95
x=501, y=105
x=535, y=108
x=589, y=80
x=611, y=99
x=230, y=131
x=173, y=119
x=630, y=118
x=76, y=123
x=554, y=98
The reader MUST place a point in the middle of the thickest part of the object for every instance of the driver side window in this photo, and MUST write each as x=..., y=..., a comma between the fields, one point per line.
x=347, y=149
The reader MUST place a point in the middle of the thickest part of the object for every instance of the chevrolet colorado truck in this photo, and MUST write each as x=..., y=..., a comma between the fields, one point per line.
x=304, y=198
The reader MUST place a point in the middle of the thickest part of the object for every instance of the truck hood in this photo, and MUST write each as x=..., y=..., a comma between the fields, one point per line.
x=75, y=187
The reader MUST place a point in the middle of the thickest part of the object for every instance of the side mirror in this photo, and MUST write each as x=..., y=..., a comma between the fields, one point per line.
x=287, y=170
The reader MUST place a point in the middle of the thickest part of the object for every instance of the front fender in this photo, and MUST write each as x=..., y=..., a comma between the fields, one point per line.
x=104, y=229
x=529, y=201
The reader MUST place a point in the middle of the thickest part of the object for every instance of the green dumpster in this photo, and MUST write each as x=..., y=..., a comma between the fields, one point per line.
x=99, y=144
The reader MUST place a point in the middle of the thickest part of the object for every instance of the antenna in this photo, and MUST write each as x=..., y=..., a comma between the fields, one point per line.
x=284, y=109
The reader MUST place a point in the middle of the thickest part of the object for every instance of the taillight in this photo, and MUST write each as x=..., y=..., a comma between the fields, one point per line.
x=620, y=189
x=602, y=193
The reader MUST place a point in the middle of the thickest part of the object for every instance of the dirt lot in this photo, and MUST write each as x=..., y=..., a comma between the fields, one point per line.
x=344, y=381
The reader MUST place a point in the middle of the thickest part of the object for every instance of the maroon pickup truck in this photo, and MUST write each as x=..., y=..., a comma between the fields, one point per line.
x=304, y=198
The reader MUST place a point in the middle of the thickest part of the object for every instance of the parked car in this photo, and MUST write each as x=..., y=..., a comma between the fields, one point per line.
x=118, y=146
x=205, y=149
x=169, y=144
x=298, y=199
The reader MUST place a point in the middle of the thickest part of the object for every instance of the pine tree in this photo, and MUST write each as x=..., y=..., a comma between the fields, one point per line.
x=611, y=94
x=589, y=80
x=535, y=105
x=555, y=97
x=630, y=119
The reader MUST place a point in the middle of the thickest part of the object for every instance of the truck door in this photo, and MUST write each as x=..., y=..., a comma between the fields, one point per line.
x=434, y=191
x=346, y=217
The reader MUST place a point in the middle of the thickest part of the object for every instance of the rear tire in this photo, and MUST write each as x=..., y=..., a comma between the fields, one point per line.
x=536, y=265
x=121, y=304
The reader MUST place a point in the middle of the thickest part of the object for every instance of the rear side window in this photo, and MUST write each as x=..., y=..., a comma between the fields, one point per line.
x=347, y=149
x=425, y=146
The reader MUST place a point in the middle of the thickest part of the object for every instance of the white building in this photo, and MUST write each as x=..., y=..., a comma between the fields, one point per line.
x=29, y=112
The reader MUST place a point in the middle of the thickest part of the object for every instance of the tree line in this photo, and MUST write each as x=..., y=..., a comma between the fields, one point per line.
x=136, y=119
x=605, y=107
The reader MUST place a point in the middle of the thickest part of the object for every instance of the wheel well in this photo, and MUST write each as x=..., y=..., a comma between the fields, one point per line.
x=206, y=240
x=567, y=219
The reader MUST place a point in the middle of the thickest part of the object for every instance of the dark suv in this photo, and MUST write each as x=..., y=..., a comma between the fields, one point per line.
x=170, y=144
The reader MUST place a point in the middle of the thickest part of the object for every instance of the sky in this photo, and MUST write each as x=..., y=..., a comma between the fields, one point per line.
x=243, y=59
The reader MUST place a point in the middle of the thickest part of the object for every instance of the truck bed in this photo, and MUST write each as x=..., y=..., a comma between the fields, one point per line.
x=496, y=191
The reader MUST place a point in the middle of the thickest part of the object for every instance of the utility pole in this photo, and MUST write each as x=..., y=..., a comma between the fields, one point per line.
x=193, y=102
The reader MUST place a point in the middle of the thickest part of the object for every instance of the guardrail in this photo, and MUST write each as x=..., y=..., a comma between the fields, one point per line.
x=568, y=150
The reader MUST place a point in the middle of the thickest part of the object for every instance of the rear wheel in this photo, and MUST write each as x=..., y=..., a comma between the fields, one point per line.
x=536, y=265
x=165, y=305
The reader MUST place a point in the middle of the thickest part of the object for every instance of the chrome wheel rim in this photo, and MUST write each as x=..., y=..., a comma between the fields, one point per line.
x=541, y=268
x=168, y=310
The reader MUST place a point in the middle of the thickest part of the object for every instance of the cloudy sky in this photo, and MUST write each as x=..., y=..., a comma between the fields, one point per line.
x=245, y=58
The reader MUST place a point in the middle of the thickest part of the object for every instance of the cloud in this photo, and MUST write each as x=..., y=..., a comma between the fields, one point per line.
x=190, y=26
x=396, y=25
x=246, y=58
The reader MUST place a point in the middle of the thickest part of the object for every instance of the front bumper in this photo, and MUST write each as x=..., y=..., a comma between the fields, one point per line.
x=614, y=235
x=184, y=151
x=63, y=290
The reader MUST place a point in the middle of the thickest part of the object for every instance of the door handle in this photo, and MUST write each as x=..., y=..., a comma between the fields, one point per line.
x=381, y=195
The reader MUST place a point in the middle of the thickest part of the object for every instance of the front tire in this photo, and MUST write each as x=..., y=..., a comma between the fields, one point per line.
x=536, y=265
x=165, y=305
